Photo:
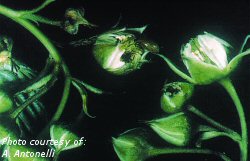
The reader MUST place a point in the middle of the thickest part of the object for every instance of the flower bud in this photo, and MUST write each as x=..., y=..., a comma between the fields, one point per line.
x=175, y=95
x=206, y=58
x=175, y=129
x=59, y=133
x=132, y=145
x=6, y=102
x=73, y=19
x=120, y=52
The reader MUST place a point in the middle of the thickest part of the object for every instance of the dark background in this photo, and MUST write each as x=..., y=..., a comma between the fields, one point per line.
x=136, y=96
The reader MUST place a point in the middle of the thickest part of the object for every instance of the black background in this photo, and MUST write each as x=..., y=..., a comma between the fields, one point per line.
x=136, y=96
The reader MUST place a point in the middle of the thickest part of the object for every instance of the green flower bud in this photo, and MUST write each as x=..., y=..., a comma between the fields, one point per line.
x=73, y=19
x=175, y=129
x=59, y=133
x=175, y=95
x=206, y=58
x=132, y=145
x=119, y=52
x=6, y=102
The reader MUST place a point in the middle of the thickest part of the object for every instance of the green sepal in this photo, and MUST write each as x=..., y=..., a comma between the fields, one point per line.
x=89, y=87
x=84, y=96
x=175, y=129
x=138, y=29
x=204, y=73
x=59, y=133
x=233, y=64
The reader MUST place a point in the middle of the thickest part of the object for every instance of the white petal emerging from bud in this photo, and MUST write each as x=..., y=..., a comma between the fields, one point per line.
x=114, y=61
x=208, y=49
x=214, y=49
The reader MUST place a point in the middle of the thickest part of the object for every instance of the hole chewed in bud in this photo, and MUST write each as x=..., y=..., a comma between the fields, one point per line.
x=120, y=51
x=175, y=95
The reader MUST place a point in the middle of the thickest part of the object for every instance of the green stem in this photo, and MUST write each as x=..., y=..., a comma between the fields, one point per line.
x=155, y=152
x=231, y=133
x=65, y=95
x=16, y=16
x=39, y=8
x=37, y=18
x=227, y=84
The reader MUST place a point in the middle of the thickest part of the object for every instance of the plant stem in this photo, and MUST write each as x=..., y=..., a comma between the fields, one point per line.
x=65, y=95
x=227, y=84
x=155, y=152
x=16, y=16
x=234, y=135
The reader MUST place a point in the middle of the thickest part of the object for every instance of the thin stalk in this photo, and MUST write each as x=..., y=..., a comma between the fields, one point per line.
x=156, y=152
x=39, y=8
x=231, y=133
x=229, y=87
x=37, y=19
x=65, y=96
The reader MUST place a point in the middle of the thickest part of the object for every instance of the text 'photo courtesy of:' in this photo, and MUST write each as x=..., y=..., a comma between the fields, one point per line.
x=124, y=80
